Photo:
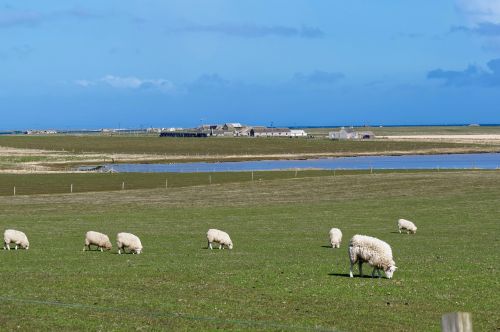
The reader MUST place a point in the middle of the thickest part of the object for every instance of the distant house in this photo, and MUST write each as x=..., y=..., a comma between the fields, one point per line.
x=269, y=132
x=350, y=133
x=297, y=133
x=232, y=126
x=366, y=135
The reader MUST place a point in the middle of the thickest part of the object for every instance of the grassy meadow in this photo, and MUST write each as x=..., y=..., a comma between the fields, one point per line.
x=281, y=275
x=219, y=145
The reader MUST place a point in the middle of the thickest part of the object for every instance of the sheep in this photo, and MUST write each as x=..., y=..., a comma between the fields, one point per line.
x=220, y=237
x=17, y=237
x=98, y=239
x=130, y=241
x=373, y=251
x=407, y=225
x=335, y=237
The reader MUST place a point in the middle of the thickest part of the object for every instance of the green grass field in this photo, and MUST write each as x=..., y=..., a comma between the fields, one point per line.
x=280, y=275
x=215, y=145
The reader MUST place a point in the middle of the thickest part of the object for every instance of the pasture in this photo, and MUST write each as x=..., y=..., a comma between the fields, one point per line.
x=213, y=146
x=281, y=275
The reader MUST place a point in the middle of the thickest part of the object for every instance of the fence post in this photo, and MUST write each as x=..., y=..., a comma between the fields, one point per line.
x=456, y=322
x=295, y=172
x=210, y=179
x=252, y=176
x=123, y=185
x=71, y=188
x=14, y=190
x=166, y=183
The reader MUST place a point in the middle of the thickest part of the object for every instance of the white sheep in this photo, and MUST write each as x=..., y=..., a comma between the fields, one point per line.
x=97, y=239
x=373, y=251
x=407, y=226
x=17, y=237
x=335, y=237
x=130, y=241
x=220, y=237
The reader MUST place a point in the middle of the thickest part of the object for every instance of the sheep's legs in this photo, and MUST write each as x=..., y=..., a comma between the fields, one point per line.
x=360, y=264
x=378, y=272
x=350, y=270
x=210, y=245
x=6, y=246
x=100, y=248
x=15, y=247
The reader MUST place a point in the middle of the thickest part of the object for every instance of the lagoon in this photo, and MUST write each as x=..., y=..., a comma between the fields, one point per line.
x=448, y=161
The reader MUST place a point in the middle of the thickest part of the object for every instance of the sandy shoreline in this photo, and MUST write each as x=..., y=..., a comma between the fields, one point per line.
x=482, y=139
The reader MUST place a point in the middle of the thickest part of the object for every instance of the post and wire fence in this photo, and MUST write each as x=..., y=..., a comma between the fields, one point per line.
x=70, y=183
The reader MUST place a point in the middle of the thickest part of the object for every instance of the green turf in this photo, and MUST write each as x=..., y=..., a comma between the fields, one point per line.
x=280, y=275
x=58, y=183
x=237, y=146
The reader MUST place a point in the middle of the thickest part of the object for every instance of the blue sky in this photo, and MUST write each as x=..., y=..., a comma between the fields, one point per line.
x=95, y=64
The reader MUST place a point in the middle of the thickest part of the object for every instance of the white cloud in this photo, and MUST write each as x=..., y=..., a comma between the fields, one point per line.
x=84, y=83
x=129, y=82
x=480, y=11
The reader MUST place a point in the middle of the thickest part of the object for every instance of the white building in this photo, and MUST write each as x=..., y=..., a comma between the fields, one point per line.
x=350, y=133
x=297, y=133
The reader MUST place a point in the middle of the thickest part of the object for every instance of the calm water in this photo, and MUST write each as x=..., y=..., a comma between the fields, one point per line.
x=479, y=160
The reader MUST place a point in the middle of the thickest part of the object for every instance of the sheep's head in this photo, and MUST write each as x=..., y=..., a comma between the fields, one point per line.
x=108, y=245
x=138, y=251
x=390, y=271
x=230, y=246
x=25, y=245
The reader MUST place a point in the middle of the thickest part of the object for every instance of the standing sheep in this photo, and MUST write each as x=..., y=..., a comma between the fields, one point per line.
x=335, y=237
x=220, y=237
x=130, y=241
x=375, y=252
x=407, y=226
x=97, y=239
x=17, y=237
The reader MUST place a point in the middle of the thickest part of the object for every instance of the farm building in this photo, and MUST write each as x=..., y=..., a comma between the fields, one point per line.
x=232, y=126
x=297, y=133
x=269, y=132
x=350, y=133
x=184, y=133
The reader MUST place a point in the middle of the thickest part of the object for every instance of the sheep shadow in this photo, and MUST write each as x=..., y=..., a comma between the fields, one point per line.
x=327, y=246
x=346, y=275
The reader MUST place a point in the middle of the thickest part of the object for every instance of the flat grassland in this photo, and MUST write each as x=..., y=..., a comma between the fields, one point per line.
x=60, y=152
x=281, y=275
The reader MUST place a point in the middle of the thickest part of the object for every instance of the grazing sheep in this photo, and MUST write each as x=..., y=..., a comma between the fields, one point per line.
x=220, y=237
x=17, y=237
x=373, y=251
x=97, y=239
x=335, y=237
x=407, y=226
x=130, y=241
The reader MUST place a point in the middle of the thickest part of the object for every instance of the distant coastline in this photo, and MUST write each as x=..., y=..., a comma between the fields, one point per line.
x=135, y=130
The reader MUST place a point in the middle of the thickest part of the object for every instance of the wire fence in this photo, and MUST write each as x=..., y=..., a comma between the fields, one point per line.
x=67, y=183
x=36, y=184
